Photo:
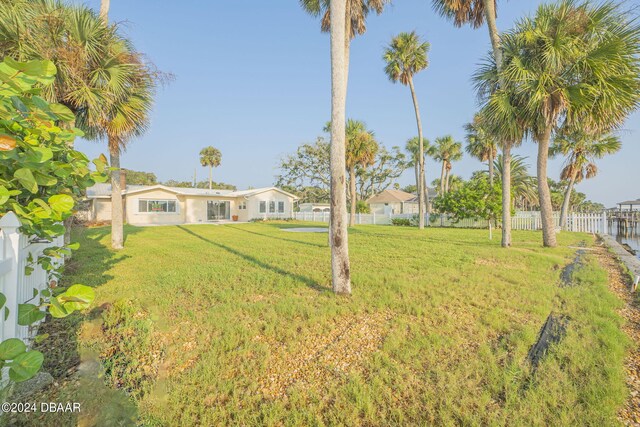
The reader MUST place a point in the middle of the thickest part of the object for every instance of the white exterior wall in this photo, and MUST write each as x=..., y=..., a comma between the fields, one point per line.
x=147, y=218
x=196, y=207
x=102, y=209
x=253, y=205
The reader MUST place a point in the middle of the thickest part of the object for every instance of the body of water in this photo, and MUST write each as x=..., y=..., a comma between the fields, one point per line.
x=631, y=238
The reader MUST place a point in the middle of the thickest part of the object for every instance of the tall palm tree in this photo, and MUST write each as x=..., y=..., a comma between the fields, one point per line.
x=356, y=15
x=361, y=151
x=446, y=150
x=405, y=56
x=338, y=237
x=127, y=116
x=413, y=147
x=100, y=77
x=480, y=144
x=523, y=186
x=575, y=65
x=475, y=13
x=581, y=151
x=212, y=157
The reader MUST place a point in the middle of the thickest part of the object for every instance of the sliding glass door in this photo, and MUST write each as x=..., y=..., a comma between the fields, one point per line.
x=217, y=210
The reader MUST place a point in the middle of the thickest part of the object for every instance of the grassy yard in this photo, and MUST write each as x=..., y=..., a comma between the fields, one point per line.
x=236, y=324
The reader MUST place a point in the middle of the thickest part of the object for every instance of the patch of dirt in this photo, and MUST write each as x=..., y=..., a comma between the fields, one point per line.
x=321, y=357
x=619, y=283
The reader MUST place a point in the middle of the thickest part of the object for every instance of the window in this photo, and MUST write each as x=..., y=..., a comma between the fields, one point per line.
x=263, y=207
x=272, y=206
x=280, y=207
x=242, y=205
x=157, y=206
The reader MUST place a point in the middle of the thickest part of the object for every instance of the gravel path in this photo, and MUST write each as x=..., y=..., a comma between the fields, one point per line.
x=619, y=282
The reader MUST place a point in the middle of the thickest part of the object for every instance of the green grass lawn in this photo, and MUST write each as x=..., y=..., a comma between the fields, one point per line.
x=237, y=324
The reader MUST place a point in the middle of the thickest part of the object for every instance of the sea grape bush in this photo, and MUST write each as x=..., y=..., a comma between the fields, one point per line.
x=41, y=176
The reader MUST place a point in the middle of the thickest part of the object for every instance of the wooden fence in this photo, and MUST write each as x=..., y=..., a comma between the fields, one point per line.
x=18, y=251
x=579, y=222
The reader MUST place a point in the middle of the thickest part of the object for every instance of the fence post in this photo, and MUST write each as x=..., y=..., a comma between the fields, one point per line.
x=9, y=225
x=374, y=218
x=604, y=223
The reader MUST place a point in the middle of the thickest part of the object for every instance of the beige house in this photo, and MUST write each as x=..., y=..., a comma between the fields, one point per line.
x=390, y=202
x=158, y=204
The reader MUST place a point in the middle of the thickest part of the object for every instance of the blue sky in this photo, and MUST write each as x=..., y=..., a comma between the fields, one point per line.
x=252, y=78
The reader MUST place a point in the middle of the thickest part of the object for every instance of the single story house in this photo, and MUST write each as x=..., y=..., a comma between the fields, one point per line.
x=158, y=204
x=390, y=202
x=314, y=207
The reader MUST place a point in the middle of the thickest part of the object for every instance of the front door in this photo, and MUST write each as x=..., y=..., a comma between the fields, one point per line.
x=217, y=210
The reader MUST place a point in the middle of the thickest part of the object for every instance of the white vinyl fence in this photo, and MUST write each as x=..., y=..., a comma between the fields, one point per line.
x=16, y=250
x=580, y=222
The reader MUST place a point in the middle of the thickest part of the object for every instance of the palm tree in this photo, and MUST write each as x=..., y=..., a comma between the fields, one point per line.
x=127, y=116
x=446, y=150
x=413, y=147
x=361, y=151
x=100, y=77
x=574, y=64
x=523, y=186
x=356, y=15
x=338, y=237
x=480, y=144
x=581, y=150
x=405, y=56
x=475, y=13
x=210, y=156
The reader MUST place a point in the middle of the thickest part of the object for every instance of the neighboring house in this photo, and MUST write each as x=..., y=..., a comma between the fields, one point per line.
x=396, y=202
x=158, y=204
x=314, y=207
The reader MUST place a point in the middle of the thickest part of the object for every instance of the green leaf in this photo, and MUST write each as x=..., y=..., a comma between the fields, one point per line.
x=73, y=246
x=3, y=300
x=62, y=112
x=6, y=313
x=61, y=202
x=77, y=297
x=25, y=366
x=56, y=309
x=40, y=154
x=26, y=179
x=11, y=348
x=29, y=314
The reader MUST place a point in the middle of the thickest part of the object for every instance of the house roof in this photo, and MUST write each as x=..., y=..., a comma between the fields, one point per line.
x=396, y=196
x=630, y=202
x=99, y=191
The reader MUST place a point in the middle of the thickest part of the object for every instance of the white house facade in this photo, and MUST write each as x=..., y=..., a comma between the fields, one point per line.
x=161, y=205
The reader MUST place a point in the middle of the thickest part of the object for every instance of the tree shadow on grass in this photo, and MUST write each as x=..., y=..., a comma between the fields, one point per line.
x=270, y=236
x=306, y=280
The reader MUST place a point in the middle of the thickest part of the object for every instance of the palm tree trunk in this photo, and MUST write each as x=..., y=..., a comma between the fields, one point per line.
x=446, y=180
x=421, y=189
x=210, y=177
x=506, y=195
x=340, y=267
x=565, y=202
x=352, y=184
x=444, y=165
x=491, y=170
x=544, y=195
x=494, y=35
x=117, y=214
x=104, y=10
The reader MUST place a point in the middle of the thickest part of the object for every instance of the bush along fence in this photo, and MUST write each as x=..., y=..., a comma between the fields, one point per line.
x=29, y=274
x=579, y=222
x=41, y=176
